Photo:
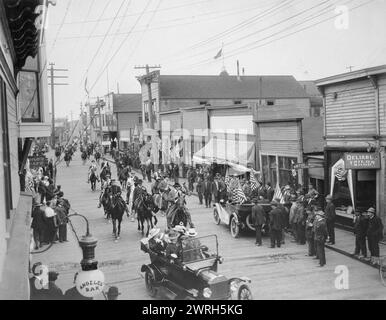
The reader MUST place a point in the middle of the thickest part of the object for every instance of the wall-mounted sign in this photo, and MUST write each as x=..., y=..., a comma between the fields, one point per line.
x=358, y=161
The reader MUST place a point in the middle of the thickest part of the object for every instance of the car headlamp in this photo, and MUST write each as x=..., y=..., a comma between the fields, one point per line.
x=207, y=293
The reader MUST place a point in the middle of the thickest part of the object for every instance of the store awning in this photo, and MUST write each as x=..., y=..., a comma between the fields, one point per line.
x=230, y=152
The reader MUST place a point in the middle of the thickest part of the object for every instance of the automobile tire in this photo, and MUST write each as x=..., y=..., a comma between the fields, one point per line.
x=249, y=223
x=216, y=216
x=149, y=281
x=244, y=293
x=234, y=227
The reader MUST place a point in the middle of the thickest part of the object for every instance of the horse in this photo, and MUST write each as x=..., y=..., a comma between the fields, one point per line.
x=178, y=214
x=144, y=206
x=84, y=157
x=117, y=207
x=67, y=158
x=97, y=157
x=93, y=179
x=105, y=201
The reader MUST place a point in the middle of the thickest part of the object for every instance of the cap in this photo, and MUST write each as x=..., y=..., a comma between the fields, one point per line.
x=371, y=210
x=192, y=232
x=113, y=292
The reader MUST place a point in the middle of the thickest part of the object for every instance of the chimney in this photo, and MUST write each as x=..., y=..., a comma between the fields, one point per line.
x=118, y=87
x=238, y=71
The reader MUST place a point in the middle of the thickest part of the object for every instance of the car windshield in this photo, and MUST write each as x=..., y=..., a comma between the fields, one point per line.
x=196, y=249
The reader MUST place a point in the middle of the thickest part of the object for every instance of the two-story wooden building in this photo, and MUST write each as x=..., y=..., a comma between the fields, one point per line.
x=355, y=140
x=24, y=116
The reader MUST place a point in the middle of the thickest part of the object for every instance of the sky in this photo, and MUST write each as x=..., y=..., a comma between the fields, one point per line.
x=102, y=41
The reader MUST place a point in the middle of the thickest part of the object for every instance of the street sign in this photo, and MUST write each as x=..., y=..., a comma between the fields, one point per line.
x=358, y=161
x=35, y=162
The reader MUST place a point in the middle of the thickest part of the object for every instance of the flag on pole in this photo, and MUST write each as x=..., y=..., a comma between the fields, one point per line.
x=218, y=55
x=254, y=183
x=278, y=194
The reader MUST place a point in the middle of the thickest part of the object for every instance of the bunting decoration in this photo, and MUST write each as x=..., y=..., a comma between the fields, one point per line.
x=236, y=193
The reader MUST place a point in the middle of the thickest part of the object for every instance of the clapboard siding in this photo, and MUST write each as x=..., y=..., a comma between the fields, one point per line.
x=279, y=138
x=382, y=107
x=174, y=119
x=194, y=120
x=352, y=111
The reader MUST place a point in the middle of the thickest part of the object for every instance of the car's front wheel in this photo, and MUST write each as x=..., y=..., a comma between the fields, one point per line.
x=149, y=281
x=235, y=228
x=244, y=293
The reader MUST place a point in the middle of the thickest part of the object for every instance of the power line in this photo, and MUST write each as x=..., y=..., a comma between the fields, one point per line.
x=61, y=25
x=138, y=13
x=103, y=41
x=120, y=46
x=140, y=39
x=287, y=35
x=262, y=29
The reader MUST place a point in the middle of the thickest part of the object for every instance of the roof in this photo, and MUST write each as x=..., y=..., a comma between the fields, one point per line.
x=310, y=87
x=363, y=73
x=229, y=87
x=127, y=102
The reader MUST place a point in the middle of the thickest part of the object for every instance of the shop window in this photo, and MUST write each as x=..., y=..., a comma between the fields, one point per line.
x=270, y=102
x=203, y=103
x=237, y=102
x=285, y=171
x=28, y=97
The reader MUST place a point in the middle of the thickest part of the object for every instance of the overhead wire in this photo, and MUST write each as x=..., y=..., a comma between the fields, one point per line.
x=102, y=43
x=61, y=25
x=235, y=52
x=120, y=46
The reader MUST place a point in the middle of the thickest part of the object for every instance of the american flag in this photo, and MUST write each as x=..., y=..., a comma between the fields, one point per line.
x=254, y=183
x=236, y=192
x=278, y=194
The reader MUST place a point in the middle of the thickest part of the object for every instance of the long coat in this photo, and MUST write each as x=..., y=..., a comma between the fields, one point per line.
x=276, y=219
x=330, y=212
x=258, y=215
x=375, y=228
x=320, y=230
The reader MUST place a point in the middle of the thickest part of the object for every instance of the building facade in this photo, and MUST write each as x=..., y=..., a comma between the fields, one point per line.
x=24, y=116
x=355, y=141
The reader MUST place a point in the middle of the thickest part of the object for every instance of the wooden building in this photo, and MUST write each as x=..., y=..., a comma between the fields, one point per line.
x=355, y=140
x=24, y=116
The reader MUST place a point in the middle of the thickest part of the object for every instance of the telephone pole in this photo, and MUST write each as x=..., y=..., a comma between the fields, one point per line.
x=149, y=79
x=53, y=84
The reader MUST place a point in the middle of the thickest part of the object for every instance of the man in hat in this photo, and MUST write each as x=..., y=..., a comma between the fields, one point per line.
x=361, y=225
x=300, y=221
x=258, y=217
x=113, y=293
x=218, y=188
x=73, y=293
x=207, y=192
x=173, y=249
x=200, y=190
x=38, y=224
x=374, y=235
x=320, y=236
x=310, y=232
x=330, y=219
x=36, y=282
x=269, y=192
x=275, y=224
x=292, y=216
x=61, y=214
x=191, y=246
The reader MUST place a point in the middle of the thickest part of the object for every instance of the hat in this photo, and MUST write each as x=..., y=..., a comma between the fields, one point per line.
x=287, y=187
x=153, y=233
x=371, y=210
x=37, y=264
x=52, y=276
x=177, y=185
x=173, y=235
x=192, y=232
x=329, y=197
x=274, y=203
x=113, y=292
x=180, y=229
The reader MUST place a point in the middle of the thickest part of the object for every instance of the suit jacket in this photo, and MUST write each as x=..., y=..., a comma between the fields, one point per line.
x=208, y=187
x=200, y=187
x=375, y=228
x=276, y=219
x=258, y=215
x=330, y=212
x=320, y=230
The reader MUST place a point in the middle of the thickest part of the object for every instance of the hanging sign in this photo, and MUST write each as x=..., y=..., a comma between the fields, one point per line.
x=358, y=161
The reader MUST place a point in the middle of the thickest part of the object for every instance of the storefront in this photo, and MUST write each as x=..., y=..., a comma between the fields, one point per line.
x=353, y=179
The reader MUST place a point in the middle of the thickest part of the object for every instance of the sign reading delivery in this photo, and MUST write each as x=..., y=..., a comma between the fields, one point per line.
x=358, y=161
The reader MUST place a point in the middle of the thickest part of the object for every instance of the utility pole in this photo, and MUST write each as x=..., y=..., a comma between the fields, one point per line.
x=149, y=79
x=350, y=68
x=53, y=84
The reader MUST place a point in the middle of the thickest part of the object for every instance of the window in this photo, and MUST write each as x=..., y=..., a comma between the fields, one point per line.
x=316, y=111
x=140, y=118
x=28, y=97
x=237, y=102
x=270, y=102
x=203, y=103
x=285, y=171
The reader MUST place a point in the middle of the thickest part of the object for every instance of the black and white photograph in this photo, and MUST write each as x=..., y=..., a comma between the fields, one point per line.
x=205, y=150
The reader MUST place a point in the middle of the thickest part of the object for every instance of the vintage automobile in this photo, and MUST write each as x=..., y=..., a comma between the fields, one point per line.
x=238, y=216
x=193, y=275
